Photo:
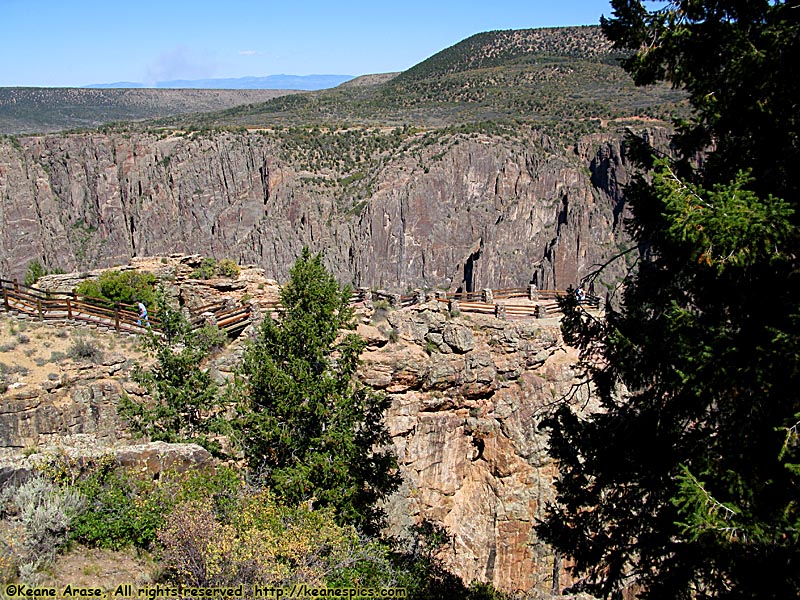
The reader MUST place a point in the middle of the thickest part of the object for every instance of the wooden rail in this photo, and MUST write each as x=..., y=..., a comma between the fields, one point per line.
x=68, y=306
x=510, y=303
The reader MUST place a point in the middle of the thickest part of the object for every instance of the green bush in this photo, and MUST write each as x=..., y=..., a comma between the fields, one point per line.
x=120, y=510
x=266, y=542
x=206, y=270
x=125, y=287
x=209, y=338
x=210, y=267
x=35, y=271
x=228, y=268
x=124, y=510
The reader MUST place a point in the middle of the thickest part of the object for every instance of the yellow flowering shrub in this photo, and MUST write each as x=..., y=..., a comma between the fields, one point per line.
x=263, y=542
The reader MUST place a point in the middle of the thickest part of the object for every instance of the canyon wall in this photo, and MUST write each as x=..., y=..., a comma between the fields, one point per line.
x=446, y=211
x=468, y=396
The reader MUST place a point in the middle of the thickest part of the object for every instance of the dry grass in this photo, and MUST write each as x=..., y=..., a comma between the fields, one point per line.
x=106, y=569
x=33, y=352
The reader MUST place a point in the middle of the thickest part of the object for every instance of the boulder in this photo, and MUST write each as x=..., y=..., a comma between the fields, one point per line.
x=155, y=458
x=459, y=338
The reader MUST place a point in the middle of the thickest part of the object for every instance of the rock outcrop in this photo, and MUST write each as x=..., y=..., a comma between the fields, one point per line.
x=78, y=405
x=468, y=394
x=435, y=210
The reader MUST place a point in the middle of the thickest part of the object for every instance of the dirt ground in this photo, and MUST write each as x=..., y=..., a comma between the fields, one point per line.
x=31, y=352
x=92, y=567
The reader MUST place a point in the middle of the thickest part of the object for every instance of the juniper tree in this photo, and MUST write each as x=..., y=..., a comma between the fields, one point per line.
x=184, y=402
x=687, y=481
x=311, y=431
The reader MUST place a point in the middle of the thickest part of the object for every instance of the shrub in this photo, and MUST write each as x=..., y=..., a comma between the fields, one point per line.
x=268, y=543
x=206, y=269
x=125, y=287
x=46, y=512
x=228, y=268
x=57, y=356
x=34, y=273
x=84, y=349
x=210, y=267
x=120, y=509
x=124, y=510
x=40, y=515
x=209, y=338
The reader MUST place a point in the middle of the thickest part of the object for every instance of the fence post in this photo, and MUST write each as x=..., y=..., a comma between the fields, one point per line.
x=487, y=296
x=39, y=308
x=500, y=310
x=366, y=296
x=116, y=316
x=69, y=309
x=5, y=298
x=453, y=306
x=16, y=285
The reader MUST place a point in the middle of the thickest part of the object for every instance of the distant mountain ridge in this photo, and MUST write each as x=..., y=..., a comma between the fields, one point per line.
x=306, y=83
x=565, y=80
x=38, y=110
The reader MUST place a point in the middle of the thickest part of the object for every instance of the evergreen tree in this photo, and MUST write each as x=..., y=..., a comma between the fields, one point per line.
x=184, y=402
x=687, y=481
x=310, y=431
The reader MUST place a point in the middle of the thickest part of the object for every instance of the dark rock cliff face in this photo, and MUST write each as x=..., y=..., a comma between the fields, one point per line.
x=467, y=211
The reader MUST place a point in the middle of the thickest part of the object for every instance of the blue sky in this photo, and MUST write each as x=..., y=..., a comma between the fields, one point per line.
x=80, y=42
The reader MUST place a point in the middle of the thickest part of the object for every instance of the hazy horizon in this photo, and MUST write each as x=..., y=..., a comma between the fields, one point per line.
x=89, y=42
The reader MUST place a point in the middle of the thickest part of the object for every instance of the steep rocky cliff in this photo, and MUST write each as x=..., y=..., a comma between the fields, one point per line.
x=412, y=209
x=468, y=394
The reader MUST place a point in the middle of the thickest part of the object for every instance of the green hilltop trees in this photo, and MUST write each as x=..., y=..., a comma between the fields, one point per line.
x=686, y=484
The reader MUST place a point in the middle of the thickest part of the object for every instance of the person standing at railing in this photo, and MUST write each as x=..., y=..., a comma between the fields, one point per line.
x=143, y=318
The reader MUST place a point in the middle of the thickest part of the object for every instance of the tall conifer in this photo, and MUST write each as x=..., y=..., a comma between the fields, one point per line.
x=310, y=430
x=687, y=481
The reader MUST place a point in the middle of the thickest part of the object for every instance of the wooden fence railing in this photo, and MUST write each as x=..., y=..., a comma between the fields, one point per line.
x=510, y=303
x=507, y=303
x=50, y=306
